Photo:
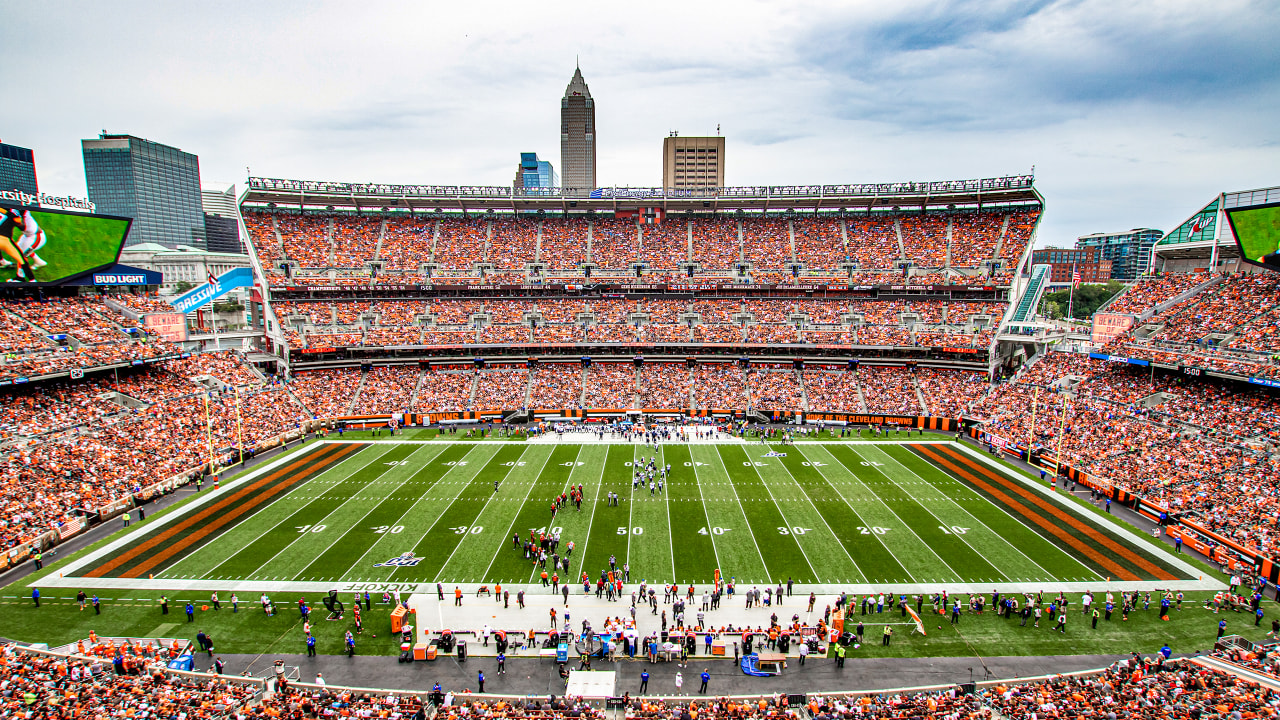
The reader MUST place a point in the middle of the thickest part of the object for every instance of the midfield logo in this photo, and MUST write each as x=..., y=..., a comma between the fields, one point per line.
x=405, y=560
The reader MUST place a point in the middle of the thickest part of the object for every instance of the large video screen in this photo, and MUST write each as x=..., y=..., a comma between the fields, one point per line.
x=1257, y=232
x=51, y=246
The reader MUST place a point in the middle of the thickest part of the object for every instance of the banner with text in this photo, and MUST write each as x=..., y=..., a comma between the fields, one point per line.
x=213, y=289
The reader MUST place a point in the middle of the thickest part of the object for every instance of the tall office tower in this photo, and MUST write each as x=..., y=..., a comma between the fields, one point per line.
x=156, y=185
x=692, y=163
x=17, y=169
x=578, y=135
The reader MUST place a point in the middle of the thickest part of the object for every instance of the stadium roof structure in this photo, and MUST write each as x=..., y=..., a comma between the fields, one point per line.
x=305, y=195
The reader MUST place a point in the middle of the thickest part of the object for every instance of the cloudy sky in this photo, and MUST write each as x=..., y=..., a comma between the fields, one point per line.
x=1132, y=113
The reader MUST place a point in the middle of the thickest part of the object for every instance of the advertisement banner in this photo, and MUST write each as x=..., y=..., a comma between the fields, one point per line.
x=1107, y=326
x=213, y=289
x=168, y=326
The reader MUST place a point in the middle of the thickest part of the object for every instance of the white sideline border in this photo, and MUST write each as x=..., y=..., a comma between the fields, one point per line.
x=255, y=587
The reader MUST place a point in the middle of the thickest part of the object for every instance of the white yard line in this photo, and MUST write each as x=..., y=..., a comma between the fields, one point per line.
x=960, y=507
x=209, y=496
x=514, y=464
x=745, y=520
x=303, y=536
x=778, y=507
x=1111, y=529
x=698, y=484
x=514, y=517
x=461, y=489
x=835, y=462
x=787, y=470
x=374, y=506
x=289, y=496
x=595, y=502
x=666, y=503
x=963, y=538
x=858, y=480
x=409, y=509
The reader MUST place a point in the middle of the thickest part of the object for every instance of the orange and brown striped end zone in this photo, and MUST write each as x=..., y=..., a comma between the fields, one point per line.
x=998, y=488
x=209, y=520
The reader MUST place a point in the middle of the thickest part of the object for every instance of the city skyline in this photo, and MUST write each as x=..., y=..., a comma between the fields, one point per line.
x=1120, y=110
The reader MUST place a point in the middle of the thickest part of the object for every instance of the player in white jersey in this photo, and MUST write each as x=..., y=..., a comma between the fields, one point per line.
x=31, y=240
x=11, y=241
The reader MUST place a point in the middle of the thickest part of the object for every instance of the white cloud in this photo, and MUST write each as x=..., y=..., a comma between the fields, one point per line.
x=1132, y=114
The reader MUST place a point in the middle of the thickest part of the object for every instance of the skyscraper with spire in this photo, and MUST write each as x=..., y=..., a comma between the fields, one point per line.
x=578, y=135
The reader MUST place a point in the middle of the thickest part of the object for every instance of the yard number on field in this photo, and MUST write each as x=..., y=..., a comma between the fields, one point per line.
x=633, y=531
x=464, y=529
x=797, y=530
x=392, y=529
x=396, y=462
x=869, y=530
x=715, y=531
x=953, y=530
x=312, y=528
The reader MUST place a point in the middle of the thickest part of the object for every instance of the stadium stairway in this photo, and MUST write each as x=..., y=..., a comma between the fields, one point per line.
x=355, y=396
x=475, y=381
x=1031, y=296
x=1004, y=228
x=862, y=398
x=417, y=386
x=897, y=231
x=804, y=392
x=924, y=405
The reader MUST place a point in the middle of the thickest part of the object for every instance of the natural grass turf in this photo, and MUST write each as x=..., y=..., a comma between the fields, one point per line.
x=58, y=621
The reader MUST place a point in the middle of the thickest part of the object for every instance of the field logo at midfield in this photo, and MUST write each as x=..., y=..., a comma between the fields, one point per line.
x=774, y=453
x=405, y=560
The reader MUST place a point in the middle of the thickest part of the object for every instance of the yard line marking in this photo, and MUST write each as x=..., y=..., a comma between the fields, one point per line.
x=858, y=480
x=595, y=502
x=243, y=490
x=354, y=526
x=515, y=464
x=949, y=478
x=705, y=515
x=963, y=538
x=178, y=566
x=302, y=536
x=778, y=507
x=445, y=511
x=819, y=514
x=879, y=538
x=745, y=521
x=666, y=503
x=537, y=476
x=412, y=505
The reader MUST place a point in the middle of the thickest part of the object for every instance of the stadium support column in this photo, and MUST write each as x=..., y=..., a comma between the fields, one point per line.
x=240, y=426
x=208, y=430
x=1031, y=432
x=1062, y=426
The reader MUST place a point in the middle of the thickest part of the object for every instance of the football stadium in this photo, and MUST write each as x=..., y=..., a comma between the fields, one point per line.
x=819, y=449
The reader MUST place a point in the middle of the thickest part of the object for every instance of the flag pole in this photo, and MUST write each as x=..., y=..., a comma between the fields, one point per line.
x=1071, y=297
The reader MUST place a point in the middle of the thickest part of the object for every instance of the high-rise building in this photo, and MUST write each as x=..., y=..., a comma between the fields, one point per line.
x=1066, y=263
x=535, y=173
x=221, y=218
x=18, y=169
x=1129, y=252
x=692, y=163
x=578, y=135
x=156, y=185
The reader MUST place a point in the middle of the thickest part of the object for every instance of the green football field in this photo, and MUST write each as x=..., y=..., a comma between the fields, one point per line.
x=406, y=515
